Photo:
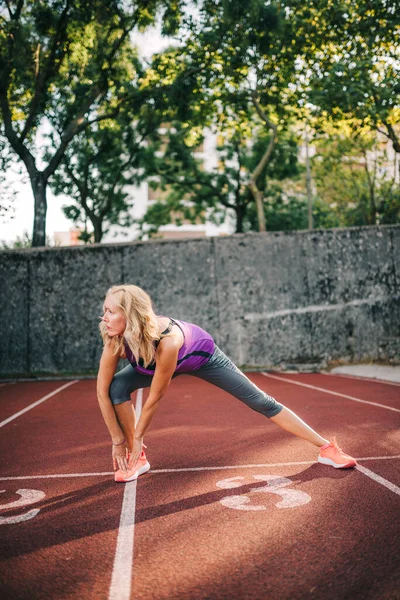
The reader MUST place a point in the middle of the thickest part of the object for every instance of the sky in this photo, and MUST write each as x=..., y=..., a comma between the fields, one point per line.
x=20, y=219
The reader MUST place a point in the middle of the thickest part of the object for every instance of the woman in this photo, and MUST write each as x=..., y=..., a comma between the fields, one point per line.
x=159, y=349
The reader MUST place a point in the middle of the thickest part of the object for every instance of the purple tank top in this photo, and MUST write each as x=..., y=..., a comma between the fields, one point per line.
x=197, y=349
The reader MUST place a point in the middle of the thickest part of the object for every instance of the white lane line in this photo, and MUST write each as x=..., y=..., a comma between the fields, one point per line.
x=387, y=484
x=58, y=476
x=24, y=410
x=261, y=466
x=183, y=470
x=121, y=579
x=373, y=380
x=120, y=588
x=319, y=389
x=7, y=383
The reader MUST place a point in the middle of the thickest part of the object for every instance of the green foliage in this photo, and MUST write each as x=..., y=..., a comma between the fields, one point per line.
x=97, y=166
x=66, y=66
x=351, y=175
x=251, y=70
x=389, y=204
x=289, y=213
x=354, y=70
x=340, y=57
x=21, y=241
x=191, y=191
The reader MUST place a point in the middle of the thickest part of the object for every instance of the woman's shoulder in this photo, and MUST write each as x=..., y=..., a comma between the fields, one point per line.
x=109, y=356
x=110, y=348
x=170, y=336
x=163, y=322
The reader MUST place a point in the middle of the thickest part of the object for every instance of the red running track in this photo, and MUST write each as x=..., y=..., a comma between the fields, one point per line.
x=233, y=508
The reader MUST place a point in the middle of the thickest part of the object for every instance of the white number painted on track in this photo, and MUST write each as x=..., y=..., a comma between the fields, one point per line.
x=275, y=485
x=27, y=497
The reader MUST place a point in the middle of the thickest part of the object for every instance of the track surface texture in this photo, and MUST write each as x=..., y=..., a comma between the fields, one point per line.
x=233, y=507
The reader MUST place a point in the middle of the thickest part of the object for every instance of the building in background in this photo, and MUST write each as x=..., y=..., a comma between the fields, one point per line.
x=67, y=238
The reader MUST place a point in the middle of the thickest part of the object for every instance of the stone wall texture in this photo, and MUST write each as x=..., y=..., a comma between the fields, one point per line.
x=269, y=300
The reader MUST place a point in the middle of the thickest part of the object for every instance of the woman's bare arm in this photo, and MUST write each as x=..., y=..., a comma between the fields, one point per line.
x=166, y=359
x=108, y=365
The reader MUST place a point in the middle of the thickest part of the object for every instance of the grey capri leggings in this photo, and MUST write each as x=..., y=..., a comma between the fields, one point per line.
x=219, y=370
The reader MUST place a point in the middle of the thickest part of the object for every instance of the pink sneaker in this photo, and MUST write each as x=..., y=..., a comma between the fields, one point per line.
x=142, y=466
x=332, y=455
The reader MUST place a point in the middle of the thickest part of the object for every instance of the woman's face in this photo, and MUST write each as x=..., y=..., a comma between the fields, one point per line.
x=113, y=317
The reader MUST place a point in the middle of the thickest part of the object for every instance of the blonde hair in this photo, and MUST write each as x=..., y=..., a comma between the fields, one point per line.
x=141, y=323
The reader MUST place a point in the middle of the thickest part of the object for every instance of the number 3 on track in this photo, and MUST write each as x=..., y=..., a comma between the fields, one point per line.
x=27, y=497
x=275, y=485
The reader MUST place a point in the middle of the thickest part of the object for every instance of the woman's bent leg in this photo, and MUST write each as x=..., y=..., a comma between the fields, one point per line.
x=126, y=416
x=123, y=384
x=223, y=373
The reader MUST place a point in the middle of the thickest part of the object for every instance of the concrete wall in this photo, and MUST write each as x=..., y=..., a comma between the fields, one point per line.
x=274, y=299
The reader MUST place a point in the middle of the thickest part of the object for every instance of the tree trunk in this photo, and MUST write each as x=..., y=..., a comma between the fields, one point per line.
x=371, y=210
x=258, y=196
x=308, y=182
x=239, y=218
x=39, y=186
x=97, y=229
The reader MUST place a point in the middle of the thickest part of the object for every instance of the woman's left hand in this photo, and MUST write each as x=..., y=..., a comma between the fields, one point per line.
x=136, y=452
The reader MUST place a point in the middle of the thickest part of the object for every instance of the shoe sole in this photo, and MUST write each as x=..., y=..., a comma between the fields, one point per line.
x=328, y=461
x=144, y=469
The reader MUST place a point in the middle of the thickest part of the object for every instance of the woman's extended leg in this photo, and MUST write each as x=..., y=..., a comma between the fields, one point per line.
x=222, y=372
x=290, y=422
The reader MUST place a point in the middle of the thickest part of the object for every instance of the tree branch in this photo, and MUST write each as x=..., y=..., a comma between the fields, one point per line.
x=82, y=188
x=126, y=30
x=9, y=9
x=76, y=126
x=238, y=179
x=393, y=136
x=263, y=162
x=73, y=177
x=15, y=16
x=50, y=69
x=12, y=137
x=385, y=133
x=267, y=154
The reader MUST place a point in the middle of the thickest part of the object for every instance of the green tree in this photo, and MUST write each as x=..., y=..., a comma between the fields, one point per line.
x=288, y=212
x=269, y=61
x=352, y=176
x=353, y=71
x=193, y=194
x=93, y=174
x=239, y=60
x=98, y=165
x=66, y=66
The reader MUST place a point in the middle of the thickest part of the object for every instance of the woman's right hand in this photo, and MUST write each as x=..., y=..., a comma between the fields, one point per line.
x=119, y=456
